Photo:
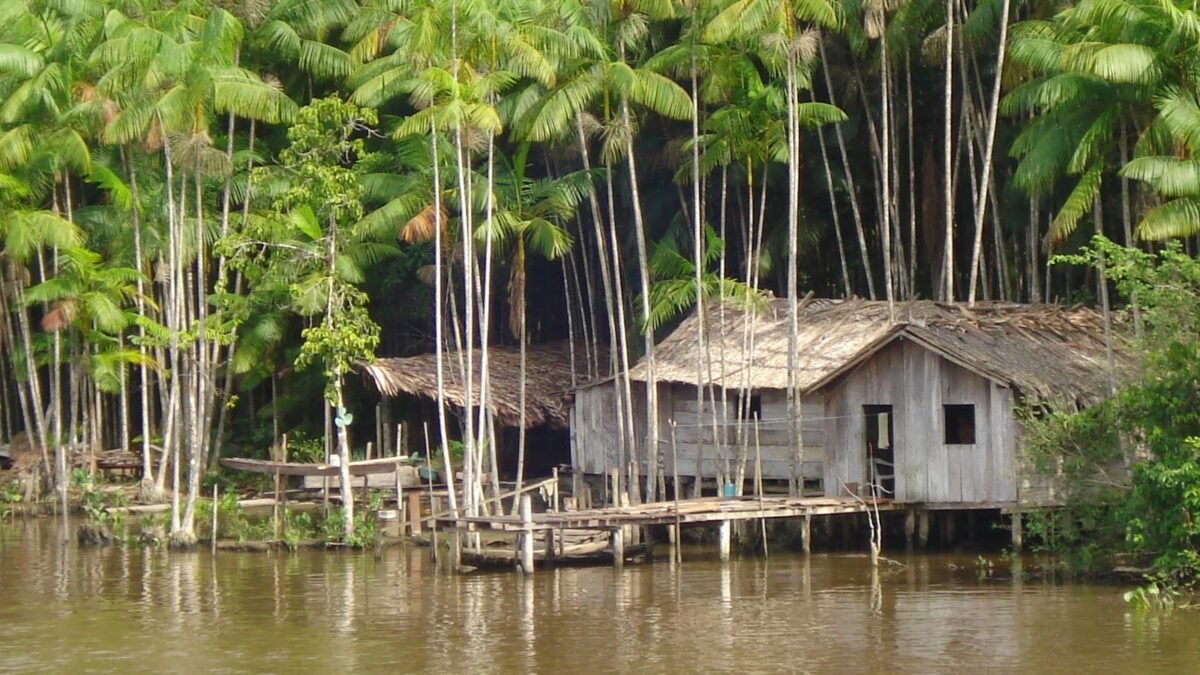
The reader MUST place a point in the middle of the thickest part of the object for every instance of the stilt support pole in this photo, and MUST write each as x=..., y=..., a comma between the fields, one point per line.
x=526, y=534
x=723, y=539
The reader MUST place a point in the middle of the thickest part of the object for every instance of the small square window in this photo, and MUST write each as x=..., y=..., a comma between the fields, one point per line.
x=960, y=424
x=749, y=409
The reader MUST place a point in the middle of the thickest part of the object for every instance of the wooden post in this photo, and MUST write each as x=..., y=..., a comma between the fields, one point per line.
x=214, y=523
x=550, y=551
x=399, y=497
x=806, y=534
x=676, y=530
x=526, y=534
x=399, y=487
x=618, y=547
x=414, y=513
x=456, y=544
x=555, y=503
x=910, y=528
x=1018, y=534
x=949, y=528
x=277, y=509
x=283, y=483
x=378, y=432
x=433, y=533
x=378, y=540
x=923, y=528
x=758, y=487
x=723, y=539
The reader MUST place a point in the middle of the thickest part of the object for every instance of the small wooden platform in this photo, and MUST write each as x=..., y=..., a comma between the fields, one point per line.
x=562, y=547
x=690, y=511
x=363, y=468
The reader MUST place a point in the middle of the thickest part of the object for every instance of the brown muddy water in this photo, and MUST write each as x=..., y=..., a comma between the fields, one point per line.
x=65, y=609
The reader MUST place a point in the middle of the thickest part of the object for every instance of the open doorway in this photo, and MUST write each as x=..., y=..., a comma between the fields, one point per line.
x=881, y=455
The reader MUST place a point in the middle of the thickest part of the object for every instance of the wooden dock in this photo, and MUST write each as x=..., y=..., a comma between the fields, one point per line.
x=540, y=530
x=690, y=511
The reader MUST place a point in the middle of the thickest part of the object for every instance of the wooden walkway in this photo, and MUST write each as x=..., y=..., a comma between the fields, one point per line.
x=690, y=511
x=618, y=522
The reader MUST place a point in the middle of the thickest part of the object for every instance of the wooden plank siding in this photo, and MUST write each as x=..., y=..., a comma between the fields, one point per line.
x=918, y=383
x=596, y=431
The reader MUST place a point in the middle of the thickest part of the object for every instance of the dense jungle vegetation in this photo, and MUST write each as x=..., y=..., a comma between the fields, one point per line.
x=211, y=209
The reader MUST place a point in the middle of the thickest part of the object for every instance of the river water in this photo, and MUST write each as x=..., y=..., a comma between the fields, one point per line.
x=66, y=609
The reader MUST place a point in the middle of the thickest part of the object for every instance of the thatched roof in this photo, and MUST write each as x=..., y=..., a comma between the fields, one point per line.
x=1046, y=352
x=548, y=383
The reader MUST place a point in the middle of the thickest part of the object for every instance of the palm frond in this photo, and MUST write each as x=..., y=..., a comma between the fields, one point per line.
x=1078, y=203
x=1176, y=218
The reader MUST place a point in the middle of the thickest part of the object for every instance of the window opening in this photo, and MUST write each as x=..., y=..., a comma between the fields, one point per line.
x=960, y=424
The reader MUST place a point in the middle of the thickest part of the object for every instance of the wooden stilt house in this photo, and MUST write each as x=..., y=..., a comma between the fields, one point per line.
x=918, y=401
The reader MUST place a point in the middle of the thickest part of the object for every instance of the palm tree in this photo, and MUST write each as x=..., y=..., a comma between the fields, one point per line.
x=528, y=215
x=789, y=50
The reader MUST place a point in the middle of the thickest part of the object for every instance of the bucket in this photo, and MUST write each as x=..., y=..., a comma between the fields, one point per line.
x=389, y=522
x=730, y=490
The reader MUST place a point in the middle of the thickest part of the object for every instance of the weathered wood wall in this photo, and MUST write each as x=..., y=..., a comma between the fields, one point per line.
x=917, y=383
x=596, y=430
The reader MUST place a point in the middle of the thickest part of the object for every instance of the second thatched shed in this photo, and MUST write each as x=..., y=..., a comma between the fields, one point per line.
x=552, y=372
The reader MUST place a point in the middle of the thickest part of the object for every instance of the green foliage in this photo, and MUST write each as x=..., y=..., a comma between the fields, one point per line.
x=1131, y=466
x=233, y=522
x=333, y=527
x=95, y=501
x=11, y=494
x=298, y=526
x=1152, y=596
x=305, y=448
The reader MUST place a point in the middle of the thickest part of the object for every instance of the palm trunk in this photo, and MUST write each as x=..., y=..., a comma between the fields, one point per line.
x=610, y=280
x=833, y=210
x=912, y=178
x=470, y=468
x=864, y=251
x=439, y=346
x=947, y=157
x=993, y=119
x=886, y=172
x=795, y=439
x=698, y=264
x=485, y=393
x=651, y=455
x=627, y=444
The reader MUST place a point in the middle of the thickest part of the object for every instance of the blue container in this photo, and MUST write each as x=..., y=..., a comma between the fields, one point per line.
x=730, y=490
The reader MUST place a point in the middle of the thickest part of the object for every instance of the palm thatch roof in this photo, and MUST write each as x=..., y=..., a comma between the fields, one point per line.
x=1047, y=353
x=548, y=384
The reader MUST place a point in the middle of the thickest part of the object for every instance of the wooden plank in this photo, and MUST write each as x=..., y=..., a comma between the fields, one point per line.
x=363, y=468
x=1004, y=478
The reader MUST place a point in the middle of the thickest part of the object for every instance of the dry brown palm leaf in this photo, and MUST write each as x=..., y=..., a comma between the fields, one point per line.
x=419, y=228
x=59, y=317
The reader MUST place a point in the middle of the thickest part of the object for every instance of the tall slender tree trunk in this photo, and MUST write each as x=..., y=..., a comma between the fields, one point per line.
x=698, y=264
x=651, y=456
x=885, y=81
x=438, y=319
x=947, y=158
x=627, y=445
x=847, y=289
x=985, y=181
x=863, y=249
x=794, y=404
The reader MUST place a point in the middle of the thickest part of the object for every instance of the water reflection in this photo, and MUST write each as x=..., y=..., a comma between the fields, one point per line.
x=107, y=609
